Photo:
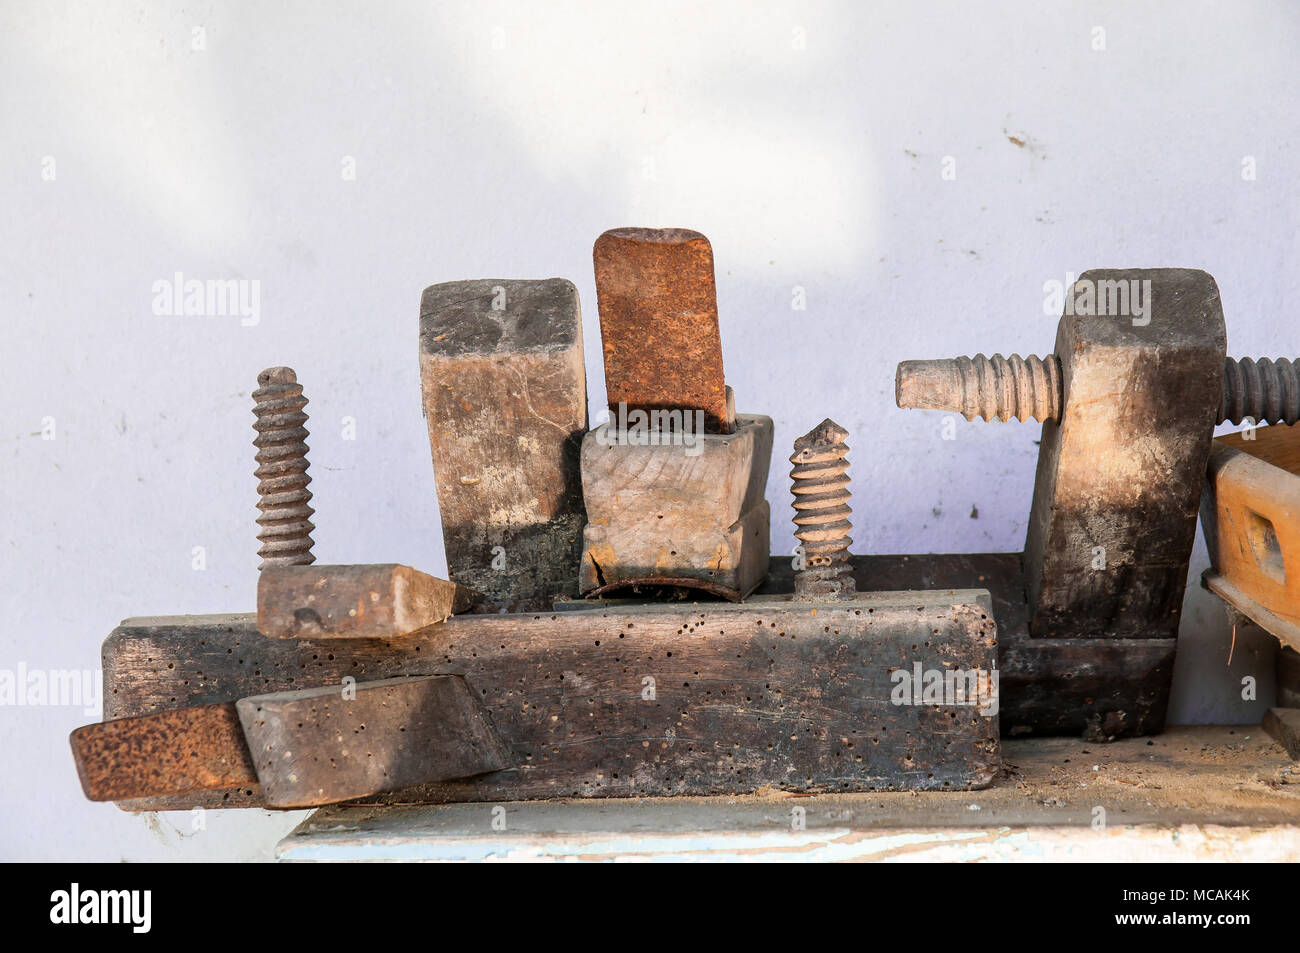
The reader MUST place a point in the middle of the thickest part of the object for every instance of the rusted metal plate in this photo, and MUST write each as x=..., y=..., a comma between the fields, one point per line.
x=166, y=753
x=505, y=399
x=382, y=600
x=324, y=745
x=659, y=323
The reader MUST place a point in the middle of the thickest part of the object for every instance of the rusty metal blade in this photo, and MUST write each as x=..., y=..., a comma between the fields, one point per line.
x=658, y=307
x=166, y=753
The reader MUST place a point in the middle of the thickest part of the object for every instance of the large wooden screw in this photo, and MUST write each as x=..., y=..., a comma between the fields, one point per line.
x=821, y=504
x=282, y=469
x=1267, y=391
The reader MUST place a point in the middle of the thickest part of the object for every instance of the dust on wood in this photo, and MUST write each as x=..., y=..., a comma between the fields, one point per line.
x=637, y=701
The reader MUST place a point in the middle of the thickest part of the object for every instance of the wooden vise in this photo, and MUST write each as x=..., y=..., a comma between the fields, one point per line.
x=1129, y=402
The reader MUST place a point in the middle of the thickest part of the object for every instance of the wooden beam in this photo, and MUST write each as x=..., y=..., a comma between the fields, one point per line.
x=1101, y=688
x=677, y=698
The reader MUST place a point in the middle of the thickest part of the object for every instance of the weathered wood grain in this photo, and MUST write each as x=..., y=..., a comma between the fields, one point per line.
x=685, y=514
x=505, y=398
x=1099, y=688
x=1119, y=477
x=687, y=698
x=1278, y=444
x=315, y=746
x=379, y=600
x=1048, y=687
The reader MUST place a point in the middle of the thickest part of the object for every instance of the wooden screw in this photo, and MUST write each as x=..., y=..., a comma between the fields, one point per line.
x=282, y=469
x=1267, y=391
x=821, y=503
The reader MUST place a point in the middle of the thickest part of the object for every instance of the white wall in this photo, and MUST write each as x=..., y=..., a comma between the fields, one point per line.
x=498, y=140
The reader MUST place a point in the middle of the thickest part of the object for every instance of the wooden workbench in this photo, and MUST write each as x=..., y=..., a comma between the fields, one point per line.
x=1193, y=793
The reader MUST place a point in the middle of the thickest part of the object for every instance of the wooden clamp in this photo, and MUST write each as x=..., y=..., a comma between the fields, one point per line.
x=1110, y=534
x=1250, y=515
x=1128, y=402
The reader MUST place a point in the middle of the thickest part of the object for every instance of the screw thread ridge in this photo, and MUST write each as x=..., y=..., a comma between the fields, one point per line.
x=1266, y=390
x=282, y=470
x=820, y=484
x=1006, y=387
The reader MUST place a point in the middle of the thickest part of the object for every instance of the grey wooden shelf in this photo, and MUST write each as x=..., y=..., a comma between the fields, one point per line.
x=1192, y=793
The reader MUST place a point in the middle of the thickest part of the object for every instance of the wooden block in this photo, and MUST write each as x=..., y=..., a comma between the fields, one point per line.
x=1278, y=444
x=382, y=600
x=1104, y=688
x=1283, y=725
x=179, y=752
x=1250, y=514
x=663, y=699
x=325, y=745
x=505, y=397
x=659, y=323
x=691, y=514
x=1097, y=688
x=1119, y=478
